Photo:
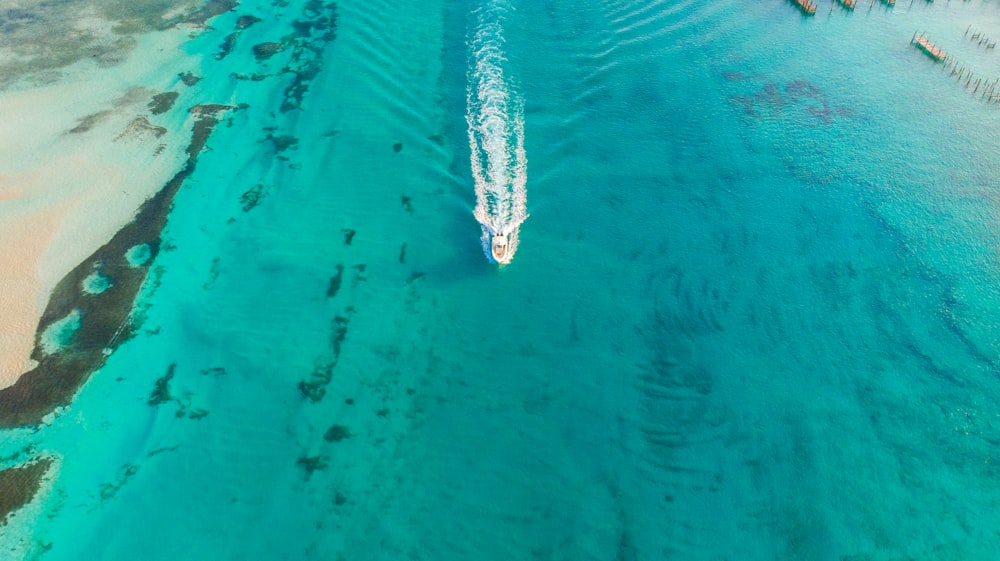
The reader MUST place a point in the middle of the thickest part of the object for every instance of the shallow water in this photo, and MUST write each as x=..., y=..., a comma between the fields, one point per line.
x=750, y=315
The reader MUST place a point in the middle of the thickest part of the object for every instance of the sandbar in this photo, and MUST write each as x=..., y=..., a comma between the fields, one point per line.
x=80, y=155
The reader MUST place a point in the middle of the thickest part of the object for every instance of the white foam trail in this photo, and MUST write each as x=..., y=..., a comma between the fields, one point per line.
x=495, y=116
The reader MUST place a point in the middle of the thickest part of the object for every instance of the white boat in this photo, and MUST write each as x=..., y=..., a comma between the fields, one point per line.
x=500, y=247
x=499, y=244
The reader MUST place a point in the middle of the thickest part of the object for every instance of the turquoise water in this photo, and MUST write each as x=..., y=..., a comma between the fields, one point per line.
x=751, y=316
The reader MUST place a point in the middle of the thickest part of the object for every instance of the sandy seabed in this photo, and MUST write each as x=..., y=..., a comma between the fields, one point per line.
x=63, y=194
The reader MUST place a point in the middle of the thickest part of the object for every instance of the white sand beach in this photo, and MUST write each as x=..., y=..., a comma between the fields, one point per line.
x=63, y=194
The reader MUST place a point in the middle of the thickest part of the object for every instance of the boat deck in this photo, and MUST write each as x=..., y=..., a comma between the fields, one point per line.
x=808, y=8
x=928, y=48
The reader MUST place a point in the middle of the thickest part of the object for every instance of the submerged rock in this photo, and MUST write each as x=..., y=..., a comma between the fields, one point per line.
x=88, y=122
x=140, y=127
x=283, y=142
x=252, y=197
x=161, y=389
x=162, y=102
x=227, y=45
x=335, y=281
x=246, y=21
x=264, y=51
x=311, y=464
x=314, y=389
x=19, y=485
x=336, y=433
x=189, y=78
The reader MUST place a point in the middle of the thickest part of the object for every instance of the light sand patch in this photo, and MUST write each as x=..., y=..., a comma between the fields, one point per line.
x=24, y=240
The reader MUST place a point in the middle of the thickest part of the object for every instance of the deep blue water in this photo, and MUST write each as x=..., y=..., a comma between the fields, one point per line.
x=752, y=314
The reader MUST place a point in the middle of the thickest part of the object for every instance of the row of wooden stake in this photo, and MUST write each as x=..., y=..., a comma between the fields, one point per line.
x=989, y=86
x=962, y=72
x=980, y=38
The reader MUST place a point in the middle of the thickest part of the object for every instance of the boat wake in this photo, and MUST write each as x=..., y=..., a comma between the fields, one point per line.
x=495, y=115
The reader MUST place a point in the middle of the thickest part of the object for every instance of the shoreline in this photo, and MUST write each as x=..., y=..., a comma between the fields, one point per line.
x=105, y=316
x=82, y=155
